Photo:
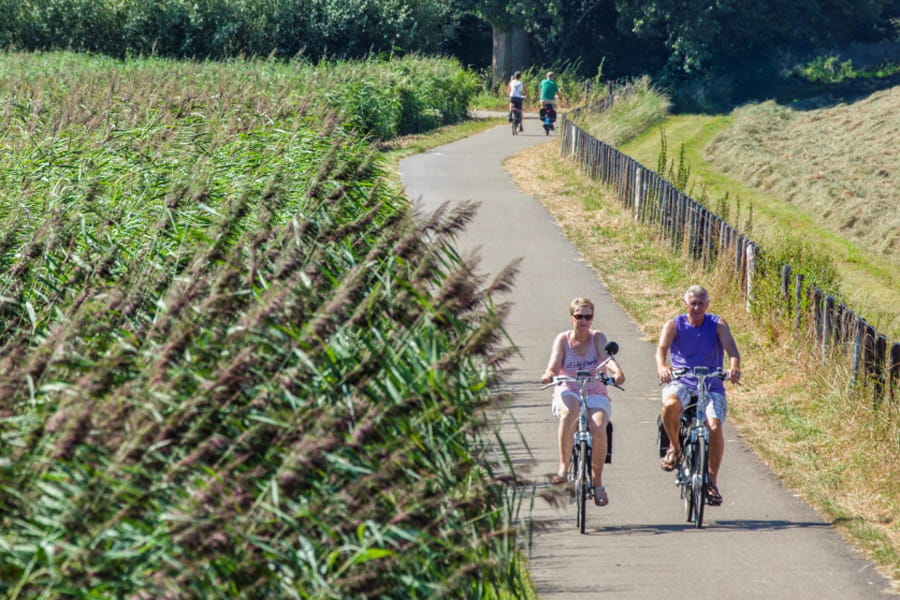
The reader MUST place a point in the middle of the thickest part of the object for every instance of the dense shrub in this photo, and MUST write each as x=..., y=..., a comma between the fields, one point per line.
x=228, y=28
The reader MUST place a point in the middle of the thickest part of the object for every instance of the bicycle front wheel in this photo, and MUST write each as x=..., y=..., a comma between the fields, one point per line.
x=699, y=481
x=685, y=474
x=582, y=484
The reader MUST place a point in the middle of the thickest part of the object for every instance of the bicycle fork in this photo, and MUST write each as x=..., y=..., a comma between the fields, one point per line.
x=697, y=438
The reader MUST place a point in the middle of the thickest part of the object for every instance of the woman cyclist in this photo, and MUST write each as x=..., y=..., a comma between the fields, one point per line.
x=581, y=348
x=516, y=92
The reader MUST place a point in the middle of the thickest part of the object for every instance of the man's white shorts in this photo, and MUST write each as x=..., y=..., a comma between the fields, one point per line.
x=716, y=404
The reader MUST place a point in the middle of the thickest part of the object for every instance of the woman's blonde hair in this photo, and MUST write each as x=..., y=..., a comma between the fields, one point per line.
x=578, y=303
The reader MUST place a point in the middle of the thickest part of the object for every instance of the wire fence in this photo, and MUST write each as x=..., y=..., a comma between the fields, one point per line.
x=836, y=332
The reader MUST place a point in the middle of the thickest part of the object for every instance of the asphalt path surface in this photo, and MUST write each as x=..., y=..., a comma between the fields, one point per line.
x=761, y=543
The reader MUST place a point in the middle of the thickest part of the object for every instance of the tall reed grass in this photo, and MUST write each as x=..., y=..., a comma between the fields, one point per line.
x=232, y=364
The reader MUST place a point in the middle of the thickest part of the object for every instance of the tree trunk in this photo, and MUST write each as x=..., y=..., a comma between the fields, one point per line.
x=510, y=54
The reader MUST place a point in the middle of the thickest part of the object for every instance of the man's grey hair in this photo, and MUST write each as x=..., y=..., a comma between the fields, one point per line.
x=696, y=290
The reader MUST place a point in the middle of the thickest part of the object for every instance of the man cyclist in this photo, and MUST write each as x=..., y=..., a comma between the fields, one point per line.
x=691, y=339
x=549, y=93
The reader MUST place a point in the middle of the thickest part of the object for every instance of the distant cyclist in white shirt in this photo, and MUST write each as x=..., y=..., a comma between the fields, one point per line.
x=516, y=94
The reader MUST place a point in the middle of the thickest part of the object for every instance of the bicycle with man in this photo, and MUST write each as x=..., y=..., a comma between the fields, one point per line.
x=692, y=467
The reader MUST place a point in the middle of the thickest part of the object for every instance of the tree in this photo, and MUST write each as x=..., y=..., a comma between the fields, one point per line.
x=510, y=40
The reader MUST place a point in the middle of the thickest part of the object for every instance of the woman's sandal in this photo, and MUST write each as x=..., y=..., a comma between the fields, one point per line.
x=670, y=461
x=600, y=497
x=559, y=478
x=713, y=497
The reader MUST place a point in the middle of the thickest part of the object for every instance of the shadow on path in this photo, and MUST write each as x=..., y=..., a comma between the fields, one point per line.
x=734, y=525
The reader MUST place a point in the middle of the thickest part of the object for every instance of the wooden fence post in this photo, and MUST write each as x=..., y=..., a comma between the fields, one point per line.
x=786, y=288
x=857, y=352
x=879, y=356
x=739, y=259
x=638, y=186
x=817, y=315
x=827, y=325
x=798, y=300
x=894, y=372
x=868, y=352
x=751, y=273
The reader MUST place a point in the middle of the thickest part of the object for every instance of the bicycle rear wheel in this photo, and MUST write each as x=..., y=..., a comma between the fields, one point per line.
x=582, y=484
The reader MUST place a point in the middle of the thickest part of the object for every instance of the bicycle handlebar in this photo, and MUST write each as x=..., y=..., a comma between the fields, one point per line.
x=601, y=377
x=702, y=372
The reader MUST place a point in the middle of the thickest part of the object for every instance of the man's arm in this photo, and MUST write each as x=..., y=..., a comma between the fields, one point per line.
x=666, y=337
x=730, y=347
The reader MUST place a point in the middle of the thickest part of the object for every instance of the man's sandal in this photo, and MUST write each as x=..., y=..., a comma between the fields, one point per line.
x=713, y=497
x=670, y=461
x=600, y=497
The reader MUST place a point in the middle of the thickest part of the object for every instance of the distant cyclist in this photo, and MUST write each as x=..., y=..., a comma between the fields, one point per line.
x=550, y=92
x=516, y=96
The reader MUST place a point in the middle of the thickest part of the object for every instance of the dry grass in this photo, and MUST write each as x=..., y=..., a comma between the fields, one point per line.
x=838, y=454
x=840, y=164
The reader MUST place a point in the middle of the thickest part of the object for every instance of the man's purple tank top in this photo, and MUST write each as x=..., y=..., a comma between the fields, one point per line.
x=695, y=346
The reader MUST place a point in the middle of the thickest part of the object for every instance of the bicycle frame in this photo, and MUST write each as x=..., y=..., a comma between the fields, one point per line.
x=692, y=474
x=516, y=120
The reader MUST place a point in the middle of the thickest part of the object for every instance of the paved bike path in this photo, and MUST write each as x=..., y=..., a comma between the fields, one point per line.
x=762, y=543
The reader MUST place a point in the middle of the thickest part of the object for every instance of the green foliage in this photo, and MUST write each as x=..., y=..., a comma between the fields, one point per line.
x=830, y=69
x=233, y=364
x=678, y=175
x=229, y=28
x=390, y=98
x=816, y=267
x=638, y=106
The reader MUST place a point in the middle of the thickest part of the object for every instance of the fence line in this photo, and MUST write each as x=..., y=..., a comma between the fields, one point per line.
x=691, y=228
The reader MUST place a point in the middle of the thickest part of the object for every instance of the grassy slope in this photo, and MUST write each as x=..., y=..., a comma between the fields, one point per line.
x=779, y=170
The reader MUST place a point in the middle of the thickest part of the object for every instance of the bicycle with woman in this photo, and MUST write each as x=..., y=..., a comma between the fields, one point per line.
x=581, y=469
x=582, y=348
x=516, y=92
